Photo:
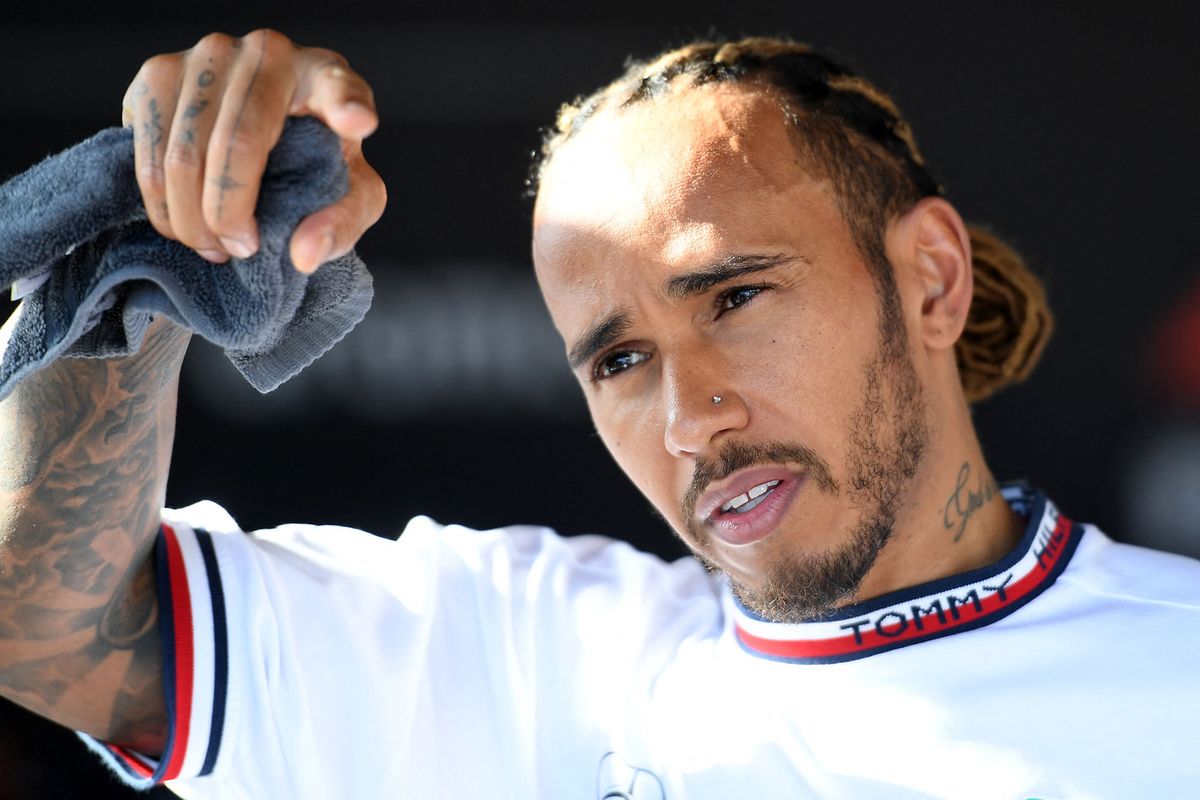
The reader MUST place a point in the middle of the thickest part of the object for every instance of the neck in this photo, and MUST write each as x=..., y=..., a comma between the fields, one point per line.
x=954, y=518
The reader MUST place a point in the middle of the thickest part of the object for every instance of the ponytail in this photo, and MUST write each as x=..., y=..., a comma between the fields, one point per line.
x=1009, y=322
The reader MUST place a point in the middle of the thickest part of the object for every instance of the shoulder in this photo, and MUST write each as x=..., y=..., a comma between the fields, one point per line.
x=428, y=554
x=1134, y=574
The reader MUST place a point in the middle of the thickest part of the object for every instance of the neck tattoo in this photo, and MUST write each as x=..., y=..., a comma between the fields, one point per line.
x=965, y=501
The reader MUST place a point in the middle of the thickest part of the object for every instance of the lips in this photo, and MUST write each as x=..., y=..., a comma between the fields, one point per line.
x=747, y=501
x=749, y=505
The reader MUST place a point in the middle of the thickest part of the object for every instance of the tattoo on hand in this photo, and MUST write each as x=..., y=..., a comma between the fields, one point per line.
x=226, y=182
x=206, y=78
x=964, y=501
x=195, y=108
x=152, y=130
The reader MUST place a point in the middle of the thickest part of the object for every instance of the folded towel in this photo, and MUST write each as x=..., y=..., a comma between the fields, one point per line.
x=74, y=236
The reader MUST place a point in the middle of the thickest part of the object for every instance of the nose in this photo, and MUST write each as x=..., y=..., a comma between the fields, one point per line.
x=701, y=405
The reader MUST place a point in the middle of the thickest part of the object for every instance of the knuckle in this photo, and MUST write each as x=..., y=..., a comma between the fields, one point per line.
x=243, y=145
x=214, y=44
x=160, y=66
x=273, y=41
x=331, y=61
x=182, y=159
x=376, y=199
x=150, y=178
x=371, y=188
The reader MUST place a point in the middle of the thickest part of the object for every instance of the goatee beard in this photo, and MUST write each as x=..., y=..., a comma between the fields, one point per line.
x=885, y=451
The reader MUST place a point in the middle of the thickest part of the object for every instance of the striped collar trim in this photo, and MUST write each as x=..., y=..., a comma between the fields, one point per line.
x=928, y=611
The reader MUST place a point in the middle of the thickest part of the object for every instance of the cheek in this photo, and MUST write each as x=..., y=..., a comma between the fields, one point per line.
x=802, y=375
x=634, y=436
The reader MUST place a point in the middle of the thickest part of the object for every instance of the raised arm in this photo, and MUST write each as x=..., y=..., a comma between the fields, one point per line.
x=85, y=444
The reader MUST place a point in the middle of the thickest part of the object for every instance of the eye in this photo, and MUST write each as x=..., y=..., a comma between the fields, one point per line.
x=619, y=361
x=736, y=297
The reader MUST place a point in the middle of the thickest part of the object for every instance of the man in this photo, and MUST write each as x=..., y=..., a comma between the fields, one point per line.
x=764, y=298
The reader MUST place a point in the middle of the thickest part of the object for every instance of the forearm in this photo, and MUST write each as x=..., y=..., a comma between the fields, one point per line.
x=84, y=450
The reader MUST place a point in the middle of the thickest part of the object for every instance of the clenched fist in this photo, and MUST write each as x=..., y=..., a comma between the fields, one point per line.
x=204, y=121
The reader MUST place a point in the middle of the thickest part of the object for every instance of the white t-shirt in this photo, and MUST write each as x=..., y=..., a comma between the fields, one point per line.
x=323, y=662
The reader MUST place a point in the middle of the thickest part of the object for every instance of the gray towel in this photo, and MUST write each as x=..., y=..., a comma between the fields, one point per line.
x=77, y=222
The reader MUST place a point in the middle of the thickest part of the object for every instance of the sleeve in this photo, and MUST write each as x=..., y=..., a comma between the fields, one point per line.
x=316, y=662
x=194, y=633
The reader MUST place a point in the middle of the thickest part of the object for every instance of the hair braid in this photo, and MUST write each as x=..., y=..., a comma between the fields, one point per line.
x=849, y=131
x=1009, y=323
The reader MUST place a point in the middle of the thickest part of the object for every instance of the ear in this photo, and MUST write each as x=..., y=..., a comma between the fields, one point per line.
x=931, y=252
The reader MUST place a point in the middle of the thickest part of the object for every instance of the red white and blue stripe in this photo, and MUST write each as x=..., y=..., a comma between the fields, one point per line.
x=195, y=661
x=928, y=611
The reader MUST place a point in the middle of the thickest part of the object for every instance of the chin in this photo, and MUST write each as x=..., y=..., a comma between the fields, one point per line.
x=797, y=586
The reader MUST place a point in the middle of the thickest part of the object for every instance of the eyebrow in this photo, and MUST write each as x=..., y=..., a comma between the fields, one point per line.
x=677, y=287
x=600, y=336
x=690, y=284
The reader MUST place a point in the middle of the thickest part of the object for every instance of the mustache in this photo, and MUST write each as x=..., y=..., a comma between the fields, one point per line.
x=734, y=456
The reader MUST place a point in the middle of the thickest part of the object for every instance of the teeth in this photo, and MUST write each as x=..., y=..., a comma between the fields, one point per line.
x=736, y=502
x=755, y=493
x=762, y=488
x=752, y=504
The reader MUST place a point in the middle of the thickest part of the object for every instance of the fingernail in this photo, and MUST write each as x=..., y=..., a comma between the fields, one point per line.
x=215, y=256
x=238, y=247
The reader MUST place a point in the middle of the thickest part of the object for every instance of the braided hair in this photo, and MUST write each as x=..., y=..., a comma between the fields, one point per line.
x=848, y=131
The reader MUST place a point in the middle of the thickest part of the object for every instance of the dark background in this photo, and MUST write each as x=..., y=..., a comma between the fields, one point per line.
x=1073, y=129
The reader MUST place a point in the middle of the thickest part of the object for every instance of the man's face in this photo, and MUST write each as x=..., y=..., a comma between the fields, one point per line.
x=686, y=255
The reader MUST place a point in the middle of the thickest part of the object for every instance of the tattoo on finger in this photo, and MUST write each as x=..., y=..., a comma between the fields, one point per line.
x=226, y=182
x=195, y=108
x=152, y=130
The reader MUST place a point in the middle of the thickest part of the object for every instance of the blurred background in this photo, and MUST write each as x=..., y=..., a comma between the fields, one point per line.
x=1072, y=128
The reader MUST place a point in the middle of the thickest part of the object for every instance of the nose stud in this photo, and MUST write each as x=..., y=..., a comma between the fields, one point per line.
x=716, y=399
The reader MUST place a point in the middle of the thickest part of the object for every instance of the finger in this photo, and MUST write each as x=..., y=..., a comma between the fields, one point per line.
x=152, y=99
x=191, y=130
x=248, y=125
x=328, y=89
x=127, y=105
x=334, y=230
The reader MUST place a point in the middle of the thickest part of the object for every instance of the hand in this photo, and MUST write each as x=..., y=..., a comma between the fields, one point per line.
x=204, y=121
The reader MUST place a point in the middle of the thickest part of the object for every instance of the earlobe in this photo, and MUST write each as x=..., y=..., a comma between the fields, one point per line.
x=931, y=241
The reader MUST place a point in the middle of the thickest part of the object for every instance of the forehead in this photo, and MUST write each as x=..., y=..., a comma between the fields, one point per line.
x=667, y=156
x=663, y=186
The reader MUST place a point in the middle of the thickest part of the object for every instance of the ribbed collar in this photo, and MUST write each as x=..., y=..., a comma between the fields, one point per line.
x=930, y=610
